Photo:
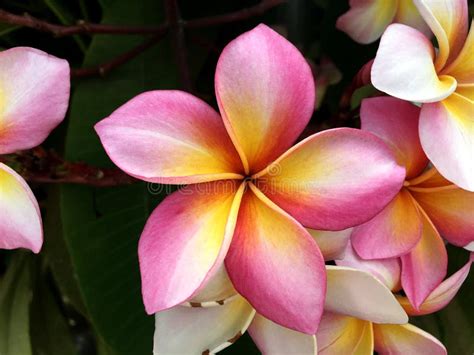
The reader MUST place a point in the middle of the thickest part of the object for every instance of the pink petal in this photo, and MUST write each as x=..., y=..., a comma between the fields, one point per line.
x=184, y=242
x=396, y=122
x=334, y=179
x=405, y=339
x=447, y=136
x=358, y=294
x=34, y=95
x=340, y=334
x=367, y=19
x=271, y=259
x=386, y=270
x=448, y=19
x=332, y=244
x=393, y=232
x=20, y=217
x=266, y=95
x=185, y=330
x=404, y=67
x=441, y=296
x=272, y=338
x=451, y=210
x=425, y=267
x=169, y=137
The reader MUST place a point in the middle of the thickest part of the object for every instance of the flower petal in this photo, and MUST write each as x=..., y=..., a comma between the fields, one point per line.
x=405, y=339
x=425, y=267
x=393, y=232
x=404, y=67
x=408, y=14
x=20, y=217
x=169, y=137
x=367, y=19
x=441, y=296
x=451, y=210
x=185, y=330
x=340, y=334
x=447, y=136
x=461, y=68
x=266, y=95
x=386, y=270
x=272, y=338
x=448, y=19
x=271, y=259
x=184, y=242
x=217, y=291
x=359, y=294
x=396, y=122
x=34, y=96
x=332, y=244
x=334, y=179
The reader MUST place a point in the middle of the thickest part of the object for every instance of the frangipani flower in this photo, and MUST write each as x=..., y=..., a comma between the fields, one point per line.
x=34, y=95
x=249, y=196
x=428, y=205
x=203, y=328
x=407, y=66
x=367, y=19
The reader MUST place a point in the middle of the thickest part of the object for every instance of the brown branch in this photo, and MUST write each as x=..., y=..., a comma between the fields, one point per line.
x=240, y=15
x=104, y=68
x=178, y=42
x=40, y=166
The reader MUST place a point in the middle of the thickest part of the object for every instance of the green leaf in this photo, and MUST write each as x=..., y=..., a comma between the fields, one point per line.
x=15, y=297
x=101, y=227
x=360, y=94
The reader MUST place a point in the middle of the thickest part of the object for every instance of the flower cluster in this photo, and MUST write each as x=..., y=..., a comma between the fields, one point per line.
x=244, y=247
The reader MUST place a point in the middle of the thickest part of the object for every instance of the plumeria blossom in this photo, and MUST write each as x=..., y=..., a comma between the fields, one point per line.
x=426, y=208
x=407, y=66
x=342, y=334
x=249, y=195
x=367, y=19
x=34, y=95
x=210, y=326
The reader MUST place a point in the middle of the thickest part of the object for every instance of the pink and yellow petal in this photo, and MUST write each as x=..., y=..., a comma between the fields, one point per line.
x=425, y=267
x=339, y=334
x=332, y=244
x=441, y=295
x=396, y=122
x=186, y=330
x=34, y=96
x=388, y=271
x=185, y=241
x=366, y=20
x=20, y=217
x=405, y=339
x=169, y=137
x=404, y=68
x=447, y=137
x=408, y=14
x=265, y=91
x=334, y=179
x=451, y=210
x=272, y=338
x=271, y=258
x=392, y=233
x=359, y=294
x=461, y=68
x=448, y=20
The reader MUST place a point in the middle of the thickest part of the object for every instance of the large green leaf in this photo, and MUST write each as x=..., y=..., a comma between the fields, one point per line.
x=15, y=298
x=101, y=226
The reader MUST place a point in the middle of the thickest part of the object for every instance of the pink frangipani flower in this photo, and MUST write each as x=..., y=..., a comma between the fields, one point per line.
x=250, y=194
x=34, y=95
x=367, y=19
x=427, y=207
x=407, y=66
